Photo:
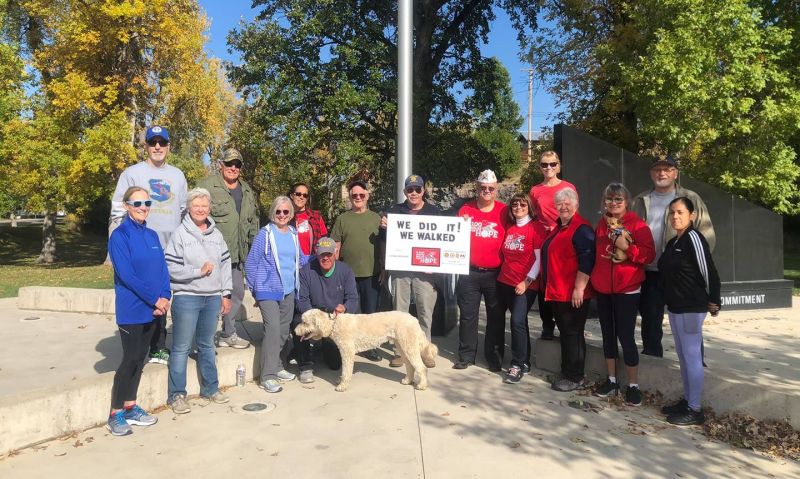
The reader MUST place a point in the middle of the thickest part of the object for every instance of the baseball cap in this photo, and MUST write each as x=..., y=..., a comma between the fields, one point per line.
x=487, y=176
x=326, y=245
x=414, y=180
x=232, y=154
x=668, y=160
x=155, y=131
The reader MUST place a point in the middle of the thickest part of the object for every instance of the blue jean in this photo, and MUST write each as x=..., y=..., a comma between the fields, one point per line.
x=193, y=315
x=519, y=305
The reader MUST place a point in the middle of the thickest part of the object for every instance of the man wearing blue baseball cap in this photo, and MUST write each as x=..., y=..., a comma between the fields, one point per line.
x=167, y=187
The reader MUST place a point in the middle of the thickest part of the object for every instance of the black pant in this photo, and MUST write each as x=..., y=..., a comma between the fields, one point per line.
x=519, y=305
x=651, y=307
x=546, y=313
x=158, y=340
x=617, y=314
x=571, y=322
x=135, y=340
x=468, y=294
x=369, y=291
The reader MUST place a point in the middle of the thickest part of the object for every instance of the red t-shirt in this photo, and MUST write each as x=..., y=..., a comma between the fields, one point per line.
x=488, y=232
x=542, y=199
x=518, y=248
x=305, y=235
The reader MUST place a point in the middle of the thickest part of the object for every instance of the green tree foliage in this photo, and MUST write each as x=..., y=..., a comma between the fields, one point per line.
x=321, y=79
x=712, y=82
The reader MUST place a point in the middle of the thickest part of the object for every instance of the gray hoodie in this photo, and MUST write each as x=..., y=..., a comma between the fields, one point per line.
x=188, y=249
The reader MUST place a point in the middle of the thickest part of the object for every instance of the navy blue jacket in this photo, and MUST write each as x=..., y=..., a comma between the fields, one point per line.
x=317, y=291
x=140, y=271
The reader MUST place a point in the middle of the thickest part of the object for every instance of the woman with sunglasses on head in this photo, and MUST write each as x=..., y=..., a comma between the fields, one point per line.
x=691, y=290
x=272, y=270
x=142, y=296
x=542, y=196
x=517, y=283
x=624, y=247
x=309, y=223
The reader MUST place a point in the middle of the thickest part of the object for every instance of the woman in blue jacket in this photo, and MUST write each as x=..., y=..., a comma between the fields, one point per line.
x=272, y=270
x=141, y=287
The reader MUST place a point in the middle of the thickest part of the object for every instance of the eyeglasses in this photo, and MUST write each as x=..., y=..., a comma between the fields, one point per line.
x=138, y=204
x=358, y=196
x=518, y=204
x=414, y=189
x=617, y=200
x=233, y=164
x=490, y=189
x=298, y=194
x=281, y=212
x=157, y=142
x=551, y=164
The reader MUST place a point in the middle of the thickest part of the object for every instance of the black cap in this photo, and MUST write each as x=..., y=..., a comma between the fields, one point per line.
x=668, y=160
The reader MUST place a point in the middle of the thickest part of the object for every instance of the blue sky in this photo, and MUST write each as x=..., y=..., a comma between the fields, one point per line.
x=225, y=15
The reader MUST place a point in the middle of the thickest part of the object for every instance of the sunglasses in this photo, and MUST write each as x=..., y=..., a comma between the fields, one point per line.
x=300, y=195
x=617, y=200
x=518, y=204
x=233, y=164
x=551, y=164
x=414, y=189
x=157, y=142
x=139, y=204
x=358, y=196
x=490, y=189
x=281, y=212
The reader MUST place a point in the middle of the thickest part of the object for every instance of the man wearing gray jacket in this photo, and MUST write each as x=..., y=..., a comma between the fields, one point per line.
x=652, y=206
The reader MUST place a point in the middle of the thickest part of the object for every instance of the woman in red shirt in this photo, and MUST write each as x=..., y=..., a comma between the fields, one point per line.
x=309, y=223
x=516, y=283
x=624, y=248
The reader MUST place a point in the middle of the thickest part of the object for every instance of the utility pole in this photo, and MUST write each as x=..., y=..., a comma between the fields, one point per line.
x=405, y=50
x=530, y=113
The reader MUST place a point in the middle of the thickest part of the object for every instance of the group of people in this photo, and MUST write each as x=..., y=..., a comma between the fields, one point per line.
x=193, y=252
x=645, y=253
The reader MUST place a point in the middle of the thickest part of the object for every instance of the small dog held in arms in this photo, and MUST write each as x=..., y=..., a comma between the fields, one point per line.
x=615, y=230
x=354, y=333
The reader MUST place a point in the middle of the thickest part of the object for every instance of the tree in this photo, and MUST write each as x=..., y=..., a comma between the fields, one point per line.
x=324, y=73
x=710, y=82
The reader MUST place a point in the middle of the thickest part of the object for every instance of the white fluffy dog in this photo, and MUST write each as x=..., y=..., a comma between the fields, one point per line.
x=354, y=333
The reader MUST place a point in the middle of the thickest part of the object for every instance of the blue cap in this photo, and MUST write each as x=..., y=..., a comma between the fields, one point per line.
x=155, y=131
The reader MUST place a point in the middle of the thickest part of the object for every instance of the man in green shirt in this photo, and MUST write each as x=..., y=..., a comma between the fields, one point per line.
x=356, y=235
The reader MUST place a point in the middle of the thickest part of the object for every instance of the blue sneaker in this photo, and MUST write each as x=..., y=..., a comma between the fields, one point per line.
x=118, y=425
x=138, y=417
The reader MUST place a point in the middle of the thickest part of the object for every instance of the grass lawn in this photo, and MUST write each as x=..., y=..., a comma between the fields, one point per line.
x=791, y=269
x=80, y=262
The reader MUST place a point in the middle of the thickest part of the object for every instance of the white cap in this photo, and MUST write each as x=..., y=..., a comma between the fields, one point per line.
x=487, y=176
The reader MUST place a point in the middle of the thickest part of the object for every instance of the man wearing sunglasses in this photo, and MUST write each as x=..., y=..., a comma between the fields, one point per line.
x=408, y=284
x=167, y=188
x=652, y=207
x=356, y=235
x=235, y=211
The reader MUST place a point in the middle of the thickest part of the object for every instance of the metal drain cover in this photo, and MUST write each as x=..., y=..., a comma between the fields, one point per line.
x=259, y=407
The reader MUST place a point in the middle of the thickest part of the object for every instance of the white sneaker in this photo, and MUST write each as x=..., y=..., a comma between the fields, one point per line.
x=180, y=405
x=285, y=375
x=271, y=386
x=307, y=376
x=232, y=341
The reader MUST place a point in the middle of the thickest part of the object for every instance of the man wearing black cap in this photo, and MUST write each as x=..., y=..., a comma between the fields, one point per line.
x=652, y=206
x=167, y=187
x=408, y=284
x=235, y=210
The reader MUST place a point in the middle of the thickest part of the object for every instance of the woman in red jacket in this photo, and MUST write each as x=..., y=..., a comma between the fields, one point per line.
x=624, y=248
x=516, y=283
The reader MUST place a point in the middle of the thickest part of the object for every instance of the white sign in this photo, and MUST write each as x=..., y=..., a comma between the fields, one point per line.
x=431, y=244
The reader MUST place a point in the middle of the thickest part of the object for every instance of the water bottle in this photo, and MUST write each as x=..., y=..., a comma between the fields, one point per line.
x=241, y=372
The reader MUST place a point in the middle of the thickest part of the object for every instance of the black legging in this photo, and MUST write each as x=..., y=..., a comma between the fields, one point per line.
x=618, y=312
x=135, y=343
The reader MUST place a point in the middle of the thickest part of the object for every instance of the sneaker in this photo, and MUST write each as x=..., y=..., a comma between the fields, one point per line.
x=675, y=408
x=687, y=418
x=513, y=375
x=565, y=385
x=462, y=364
x=180, y=405
x=285, y=375
x=607, y=389
x=160, y=357
x=232, y=341
x=139, y=417
x=307, y=376
x=547, y=335
x=118, y=425
x=271, y=386
x=526, y=368
x=372, y=355
x=218, y=397
x=633, y=396
x=495, y=368
x=396, y=362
